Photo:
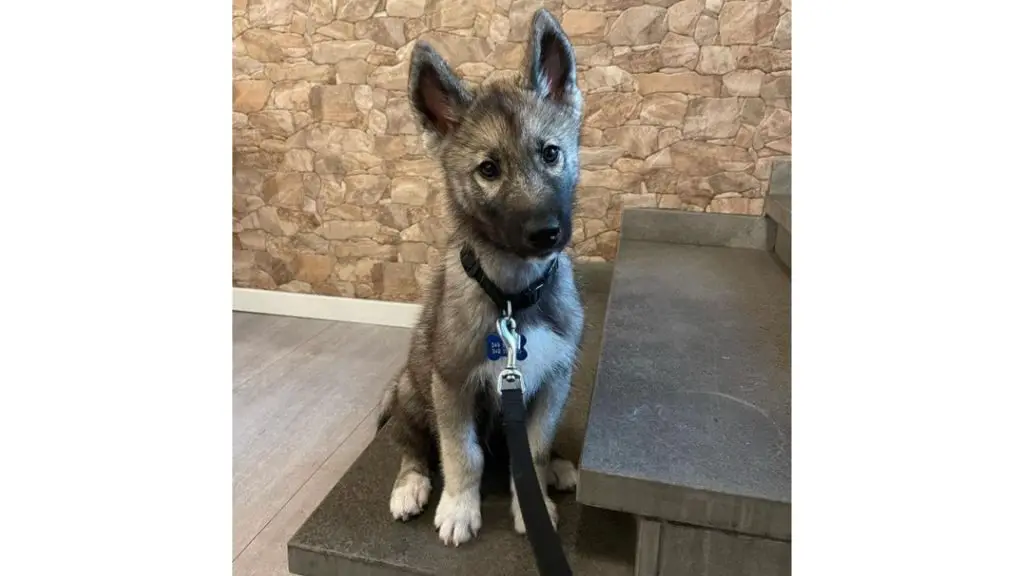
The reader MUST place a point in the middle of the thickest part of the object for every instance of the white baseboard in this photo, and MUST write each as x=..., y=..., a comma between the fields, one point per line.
x=325, y=307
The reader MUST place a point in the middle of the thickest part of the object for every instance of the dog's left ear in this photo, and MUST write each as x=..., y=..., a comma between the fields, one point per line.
x=551, y=61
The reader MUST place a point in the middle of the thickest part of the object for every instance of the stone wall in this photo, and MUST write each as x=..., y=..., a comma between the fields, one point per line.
x=687, y=105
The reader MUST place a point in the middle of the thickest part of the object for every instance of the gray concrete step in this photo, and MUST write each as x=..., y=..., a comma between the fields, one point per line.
x=352, y=532
x=690, y=417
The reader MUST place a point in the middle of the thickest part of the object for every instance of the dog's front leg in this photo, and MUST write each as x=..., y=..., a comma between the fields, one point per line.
x=462, y=463
x=541, y=423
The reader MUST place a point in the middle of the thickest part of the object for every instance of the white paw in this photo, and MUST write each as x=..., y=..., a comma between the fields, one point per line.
x=517, y=514
x=458, y=517
x=410, y=496
x=562, y=474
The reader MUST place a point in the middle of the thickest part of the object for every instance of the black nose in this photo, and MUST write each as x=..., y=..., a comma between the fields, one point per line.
x=544, y=236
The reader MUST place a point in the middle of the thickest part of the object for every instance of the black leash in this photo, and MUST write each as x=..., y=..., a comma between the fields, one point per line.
x=544, y=540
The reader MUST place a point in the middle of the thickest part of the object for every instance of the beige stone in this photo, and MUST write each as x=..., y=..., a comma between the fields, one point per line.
x=291, y=95
x=693, y=158
x=416, y=167
x=312, y=241
x=679, y=52
x=777, y=125
x=752, y=111
x=239, y=121
x=684, y=82
x=400, y=118
x=267, y=13
x=298, y=71
x=775, y=86
x=594, y=206
x=638, y=25
x=762, y=58
x=610, y=179
x=238, y=25
x=338, y=30
x=253, y=239
x=737, y=205
x=365, y=189
x=715, y=60
x=594, y=55
x=390, y=77
x=682, y=16
x=312, y=268
x=608, y=110
x=743, y=82
x=356, y=10
x=459, y=49
x=669, y=202
x=334, y=51
x=733, y=182
x=274, y=123
x=351, y=72
x=389, y=32
x=405, y=8
x=245, y=68
x=660, y=159
x=377, y=122
x=638, y=141
x=783, y=145
x=409, y=190
x=738, y=23
x=663, y=110
x=507, y=56
x=451, y=15
x=584, y=26
x=712, y=118
x=286, y=189
x=607, y=78
x=590, y=136
x=334, y=104
x=399, y=280
x=602, y=156
x=269, y=46
x=270, y=220
x=298, y=161
x=639, y=201
x=499, y=28
x=745, y=137
x=296, y=286
x=347, y=229
x=640, y=60
x=360, y=162
x=669, y=136
x=321, y=11
x=250, y=95
x=783, y=36
x=706, y=30
x=415, y=252
x=474, y=70
x=593, y=226
x=607, y=244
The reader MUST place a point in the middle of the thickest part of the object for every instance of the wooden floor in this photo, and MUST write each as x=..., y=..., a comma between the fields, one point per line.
x=305, y=394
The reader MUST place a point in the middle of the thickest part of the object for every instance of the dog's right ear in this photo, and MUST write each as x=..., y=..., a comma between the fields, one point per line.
x=437, y=95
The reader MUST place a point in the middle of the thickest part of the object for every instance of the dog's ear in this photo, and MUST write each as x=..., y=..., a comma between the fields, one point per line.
x=551, y=62
x=436, y=94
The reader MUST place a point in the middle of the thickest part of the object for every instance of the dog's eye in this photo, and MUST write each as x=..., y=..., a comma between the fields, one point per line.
x=489, y=169
x=550, y=154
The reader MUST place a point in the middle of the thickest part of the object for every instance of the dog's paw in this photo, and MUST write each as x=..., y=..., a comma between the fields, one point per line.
x=517, y=514
x=409, y=496
x=561, y=474
x=458, y=517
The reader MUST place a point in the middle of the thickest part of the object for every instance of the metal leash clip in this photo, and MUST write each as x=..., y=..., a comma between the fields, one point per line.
x=510, y=378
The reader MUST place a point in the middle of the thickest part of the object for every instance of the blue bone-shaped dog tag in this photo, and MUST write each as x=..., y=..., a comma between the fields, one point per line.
x=496, y=348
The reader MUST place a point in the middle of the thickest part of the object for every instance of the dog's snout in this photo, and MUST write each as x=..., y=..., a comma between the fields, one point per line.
x=543, y=235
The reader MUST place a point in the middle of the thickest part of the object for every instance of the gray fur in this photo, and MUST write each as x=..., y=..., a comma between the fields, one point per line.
x=448, y=381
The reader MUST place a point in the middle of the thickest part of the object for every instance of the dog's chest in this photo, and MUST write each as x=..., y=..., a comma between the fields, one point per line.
x=545, y=349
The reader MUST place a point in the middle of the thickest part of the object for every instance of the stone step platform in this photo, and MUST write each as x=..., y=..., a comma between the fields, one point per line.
x=352, y=532
x=689, y=425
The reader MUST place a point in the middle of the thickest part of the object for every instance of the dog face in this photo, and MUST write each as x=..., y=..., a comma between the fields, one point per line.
x=510, y=150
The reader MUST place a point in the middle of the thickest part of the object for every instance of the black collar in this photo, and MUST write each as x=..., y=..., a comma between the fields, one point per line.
x=519, y=301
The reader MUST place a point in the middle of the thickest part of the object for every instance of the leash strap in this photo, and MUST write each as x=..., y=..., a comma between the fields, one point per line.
x=547, y=547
